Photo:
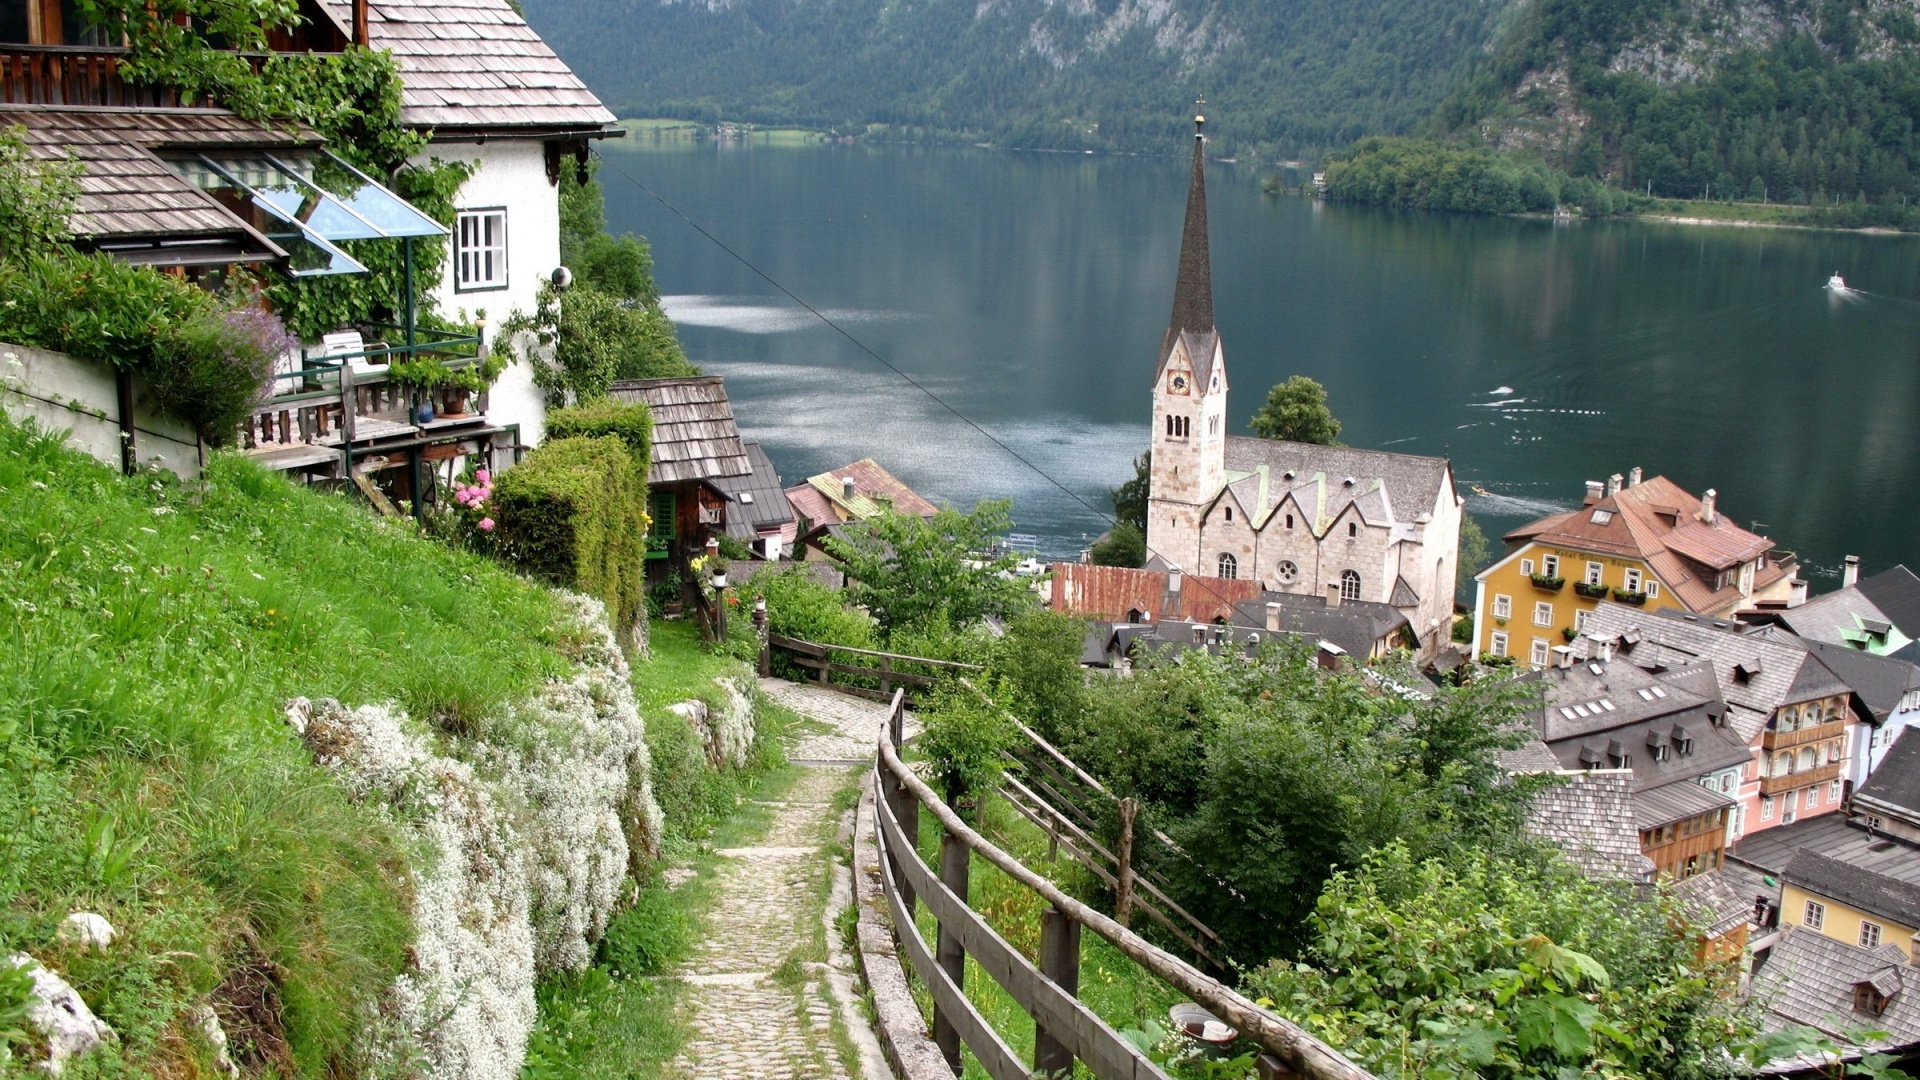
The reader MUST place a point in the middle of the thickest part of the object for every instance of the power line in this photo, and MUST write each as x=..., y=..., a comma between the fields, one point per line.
x=861, y=345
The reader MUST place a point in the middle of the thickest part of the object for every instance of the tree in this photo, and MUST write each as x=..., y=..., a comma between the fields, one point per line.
x=1507, y=967
x=36, y=198
x=1130, y=498
x=1474, y=553
x=1296, y=411
x=1124, y=545
x=915, y=573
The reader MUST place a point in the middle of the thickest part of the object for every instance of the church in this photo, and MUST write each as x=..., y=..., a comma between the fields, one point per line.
x=1331, y=521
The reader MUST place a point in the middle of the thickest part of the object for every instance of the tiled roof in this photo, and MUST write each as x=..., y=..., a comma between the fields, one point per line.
x=1895, y=785
x=1590, y=817
x=1879, y=682
x=1657, y=521
x=756, y=500
x=823, y=499
x=1384, y=484
x=1715, y=904
x=1111, y=592
x=1855, y=885
x=1355, y=626
x=468, y=64
x=694, y=434
x=1664, y=805
x=1896, y=592
x=127, y=192
x=1840, y=617
x=1810, y=979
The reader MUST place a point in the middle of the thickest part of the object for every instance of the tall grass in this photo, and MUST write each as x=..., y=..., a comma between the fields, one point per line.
x=149, y=636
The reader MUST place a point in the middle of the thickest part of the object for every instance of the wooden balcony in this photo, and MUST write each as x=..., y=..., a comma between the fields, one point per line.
x=68, y=75
x=1771, y=786
x=1780, y=740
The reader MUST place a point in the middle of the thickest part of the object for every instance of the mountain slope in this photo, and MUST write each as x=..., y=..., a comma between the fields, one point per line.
x=1115, y=74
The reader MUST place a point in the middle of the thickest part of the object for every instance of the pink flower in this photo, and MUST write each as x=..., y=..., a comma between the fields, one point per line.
x=486, y=524
x=484, y=477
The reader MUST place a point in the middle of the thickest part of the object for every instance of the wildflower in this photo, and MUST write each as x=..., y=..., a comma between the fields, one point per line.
x=486, y=524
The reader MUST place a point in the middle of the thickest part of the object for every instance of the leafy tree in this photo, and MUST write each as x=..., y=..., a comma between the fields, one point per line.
x=1475, y=553
x=1296, y=411
x=914, y=572
x=620, y=265
x=965, y=737
x=36, y=198
x=1130, y=498
x=578, y=342
x=1498, y=967
x=1124, y=545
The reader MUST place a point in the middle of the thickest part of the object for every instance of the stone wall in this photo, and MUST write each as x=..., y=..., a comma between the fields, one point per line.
x=62, y=392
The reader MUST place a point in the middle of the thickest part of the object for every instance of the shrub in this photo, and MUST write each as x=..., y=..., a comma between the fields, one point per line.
x=648, y=937
x=35, y=197
x=574, y=513
x=213, y=371
x=631, y=424
x=578, y=345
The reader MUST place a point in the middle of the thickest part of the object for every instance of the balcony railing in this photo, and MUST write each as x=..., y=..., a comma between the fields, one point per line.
x=1780, y=740
x=65, y=75
x=1771, y=786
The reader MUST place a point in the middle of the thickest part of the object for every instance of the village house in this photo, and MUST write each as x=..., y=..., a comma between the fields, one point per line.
x=1645, y=543
x=1325, y=521
x=699, y=459
x=828, y=501
x=1889, y=802
x=1796, y=715
x=1812, y=980
x=1879, y=615
x=758, y=513
x=1841, y=879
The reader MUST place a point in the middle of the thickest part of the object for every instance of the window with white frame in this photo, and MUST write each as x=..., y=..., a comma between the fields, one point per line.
x=1595, y=571
x=1869, y=934
x=1538, y=656
x=1497, y=644
x=480, y=249
x=1766, y=808
x=1580, y=620
x=1526, y=567
x=1633, y=580
x=1653, y=589
x=1833, y=792
x=1550, y=565
x=1815, y=916
x=1349, y=585
x=1502, y=606
x=1543, y=614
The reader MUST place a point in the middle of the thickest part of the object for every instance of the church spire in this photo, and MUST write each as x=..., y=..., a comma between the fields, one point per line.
x=1193, y=292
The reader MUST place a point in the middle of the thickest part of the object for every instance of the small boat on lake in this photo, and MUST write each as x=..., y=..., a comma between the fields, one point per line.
x=1836, y=283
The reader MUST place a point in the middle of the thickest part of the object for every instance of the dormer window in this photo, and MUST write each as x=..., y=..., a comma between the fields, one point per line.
x=1867, y=1000
x=1601, y=517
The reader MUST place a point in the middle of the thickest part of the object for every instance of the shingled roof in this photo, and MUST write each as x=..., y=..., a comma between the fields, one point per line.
x=1894, y=787
x=1810, y=979
x=1897, y=593
x=758, y=501
x=476, y=64
x=1386, y=488
x=1590, y=818
x=1715, y=904
x=1850, y=883
x=128, y=193
x=694, y=434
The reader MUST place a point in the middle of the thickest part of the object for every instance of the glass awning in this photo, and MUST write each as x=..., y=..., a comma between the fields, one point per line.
x=307, y=219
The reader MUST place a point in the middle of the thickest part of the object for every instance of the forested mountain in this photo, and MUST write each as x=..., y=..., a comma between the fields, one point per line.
x=1293, y=78
x=1807, y=101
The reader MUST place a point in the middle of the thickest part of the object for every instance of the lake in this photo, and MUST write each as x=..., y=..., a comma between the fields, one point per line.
x=1029, y=293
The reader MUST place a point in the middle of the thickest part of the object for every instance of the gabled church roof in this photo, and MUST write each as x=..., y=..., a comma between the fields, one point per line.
x=1193, y=290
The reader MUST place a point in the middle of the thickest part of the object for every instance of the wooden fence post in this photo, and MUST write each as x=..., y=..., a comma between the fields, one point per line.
x=906, y=808
x=1123, y=887
x=948, y=952
x=1059, y=961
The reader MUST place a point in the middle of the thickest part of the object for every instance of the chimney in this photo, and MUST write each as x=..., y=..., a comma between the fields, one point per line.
x=362, y=36
x=1565, y=653
x=1633, y=477
x=1594, y=488
x=1850, y=576
x=1613, y=485
x=1333, y=594
x=846, y=488
x=1273, y=616
x=1798, y=595
x=1710, y=513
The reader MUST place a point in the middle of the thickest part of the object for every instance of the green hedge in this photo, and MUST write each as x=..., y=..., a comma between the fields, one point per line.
x=574, y=513
x=631, y=424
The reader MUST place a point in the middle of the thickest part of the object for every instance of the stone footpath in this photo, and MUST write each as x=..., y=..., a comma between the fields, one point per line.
x=748, y=1022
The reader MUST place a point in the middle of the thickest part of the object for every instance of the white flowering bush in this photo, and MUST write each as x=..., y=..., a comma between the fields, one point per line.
x=730, y=725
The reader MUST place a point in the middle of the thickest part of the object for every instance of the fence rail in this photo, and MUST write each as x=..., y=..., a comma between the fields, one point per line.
x=1065, y=1029
x=818, y=657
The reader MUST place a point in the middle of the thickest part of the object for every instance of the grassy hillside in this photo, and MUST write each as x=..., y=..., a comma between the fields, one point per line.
x=151, y=635
x=1117, y=74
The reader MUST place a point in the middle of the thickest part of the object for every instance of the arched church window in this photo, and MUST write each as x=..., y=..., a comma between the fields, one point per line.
x=1229, y=566
x=1289, y=521
x=1229, y=513
x=1349, y=585
x=1353, y=528
x=1287, y=572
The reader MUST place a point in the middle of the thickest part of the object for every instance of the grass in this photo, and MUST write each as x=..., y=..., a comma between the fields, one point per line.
x=1116, y=988
x=152, y=634
x=1813, y=217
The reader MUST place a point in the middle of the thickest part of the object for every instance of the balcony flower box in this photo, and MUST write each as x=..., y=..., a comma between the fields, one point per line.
x=1547, y=584
x=1637, y=599
x=1591, y=592
x=1569, y=633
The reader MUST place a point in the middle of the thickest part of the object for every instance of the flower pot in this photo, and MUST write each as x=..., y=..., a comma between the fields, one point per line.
x=424, y=413
x=454, y=401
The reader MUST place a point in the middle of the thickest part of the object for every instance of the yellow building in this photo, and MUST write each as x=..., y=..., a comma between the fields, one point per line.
x=1647, y=543
x=1848, y=904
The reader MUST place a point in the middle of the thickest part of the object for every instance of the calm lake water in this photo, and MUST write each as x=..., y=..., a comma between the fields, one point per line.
x=1029, y=291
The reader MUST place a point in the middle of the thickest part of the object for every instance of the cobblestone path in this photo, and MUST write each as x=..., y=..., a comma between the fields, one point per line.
x=758, y=995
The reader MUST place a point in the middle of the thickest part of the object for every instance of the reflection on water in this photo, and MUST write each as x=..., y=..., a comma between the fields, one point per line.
x=1029, y=291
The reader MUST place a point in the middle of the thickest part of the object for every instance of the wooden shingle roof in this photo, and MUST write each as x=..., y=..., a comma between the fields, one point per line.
x=694, y=434
x=476, y=64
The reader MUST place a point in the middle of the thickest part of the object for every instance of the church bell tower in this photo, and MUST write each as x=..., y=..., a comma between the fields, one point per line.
x=1189, y=392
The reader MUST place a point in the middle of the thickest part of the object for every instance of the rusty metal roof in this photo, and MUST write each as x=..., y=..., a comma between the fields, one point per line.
x=694, y=433
x=476, y=64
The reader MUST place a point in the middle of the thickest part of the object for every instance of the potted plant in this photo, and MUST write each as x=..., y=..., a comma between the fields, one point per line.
x=1592, y=591
x=1546, y=583
x=1569, y=633
x=1638, y=599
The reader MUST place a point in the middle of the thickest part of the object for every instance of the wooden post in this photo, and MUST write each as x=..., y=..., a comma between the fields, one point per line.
x=886, y=669
x=948, y=952
x=1123, y=887
x=123, y=394
x=1059, y=961
x=906, y=808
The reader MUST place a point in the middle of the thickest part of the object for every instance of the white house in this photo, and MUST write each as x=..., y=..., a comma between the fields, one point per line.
x=486, y=89
x=1329, y=521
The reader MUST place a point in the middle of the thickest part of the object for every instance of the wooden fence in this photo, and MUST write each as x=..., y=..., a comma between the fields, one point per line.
x=819, y=658
x=1065, y=1029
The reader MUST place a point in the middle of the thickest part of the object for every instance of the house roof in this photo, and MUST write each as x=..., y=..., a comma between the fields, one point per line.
x=1664, y=805
x=1897, y=593
x=1112, y=592
x=1355, y=626
x=1193, y=287
x=1894, y=786
x=1756, y=672
x=1856, y=885
x=1810, y=979
x=1715, y=903
x=823, y=499
x=1595, y=711
x=1843, y=617
x=476, y=64
x=128, y=193
x=694, y=434
x=1590, y=817
x=1832, y=856
x=756, y=502
x=1388, y=488
x=1661, y=524
x=1878, y=682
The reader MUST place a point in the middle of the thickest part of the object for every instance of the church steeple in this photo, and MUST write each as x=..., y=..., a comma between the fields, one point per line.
x=1193, y=291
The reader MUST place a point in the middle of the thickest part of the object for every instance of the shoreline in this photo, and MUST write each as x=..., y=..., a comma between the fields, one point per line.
x=1749, y=223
